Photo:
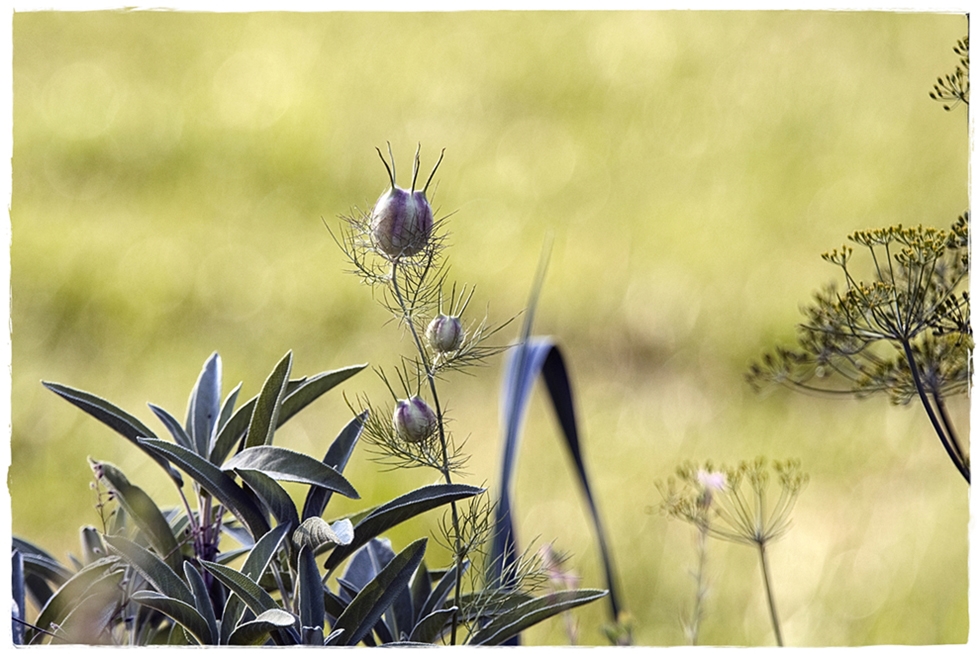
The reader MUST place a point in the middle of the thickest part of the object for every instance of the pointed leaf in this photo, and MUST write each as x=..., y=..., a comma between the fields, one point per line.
x=311, y=611
x=158, y=573
x=397, y=511
x=202, y=601
x=204, y=405
x=336, y=457
x=89, y=619
x=254, y=567
x=254, y=596
x=275, y=498
x=513, y=622
x=215, y=482
x=93, y=548
x=257, y=631
x=310, y=389
x=235, y=428
x=437, y=599
x=73, y=591
x=432, y=626
x=120, y=421
x=287, y=465
x=173, y=426
x=232, y=432
x=366, y=609
x=265, y=416
x=142, y=509
x=183, y=613
x=227, y=409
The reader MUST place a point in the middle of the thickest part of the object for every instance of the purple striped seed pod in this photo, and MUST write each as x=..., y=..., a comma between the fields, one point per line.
x=401, y=222
x=445, y=334
x=413, y=420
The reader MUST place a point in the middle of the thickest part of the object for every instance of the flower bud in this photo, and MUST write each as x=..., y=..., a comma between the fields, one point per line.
x=414, y=420
x=445, y=333
x=401, y=222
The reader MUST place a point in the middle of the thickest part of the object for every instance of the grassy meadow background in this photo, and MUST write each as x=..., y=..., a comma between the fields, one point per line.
x=171, y=172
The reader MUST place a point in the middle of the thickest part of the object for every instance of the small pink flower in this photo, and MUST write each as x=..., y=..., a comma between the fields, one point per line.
x=714, y=481
x=710, y=482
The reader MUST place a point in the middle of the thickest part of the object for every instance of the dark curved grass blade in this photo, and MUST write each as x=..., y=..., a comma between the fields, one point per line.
x=398, y=510
x=336, y=457
x=204, y=405
x=121, y=422
x=513, y=622
x=265, y=416
x=288, y=465
x=533, y=358
x=215, y=481
x=360, y=616
x=523, y=364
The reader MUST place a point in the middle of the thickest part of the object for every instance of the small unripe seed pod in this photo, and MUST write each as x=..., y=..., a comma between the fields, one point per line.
x=401, y=221
x=445, y=334
x=413, y=420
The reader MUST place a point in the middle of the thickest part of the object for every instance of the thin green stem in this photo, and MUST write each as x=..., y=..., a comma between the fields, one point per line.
x=701, y=591
x=445, y=469
x=769, y=596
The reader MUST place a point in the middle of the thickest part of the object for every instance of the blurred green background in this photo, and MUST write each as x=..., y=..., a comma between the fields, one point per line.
x=171, y=171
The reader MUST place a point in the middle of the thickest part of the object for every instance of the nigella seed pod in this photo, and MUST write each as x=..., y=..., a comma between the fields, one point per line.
x=401, y=221
x=414, y=420
x=445, y=334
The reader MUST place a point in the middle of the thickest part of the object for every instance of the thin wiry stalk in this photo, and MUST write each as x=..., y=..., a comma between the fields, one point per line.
x=693, y=627
x=948, y=426
x=769, y=596
x=445, y=469
x=960, y=465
